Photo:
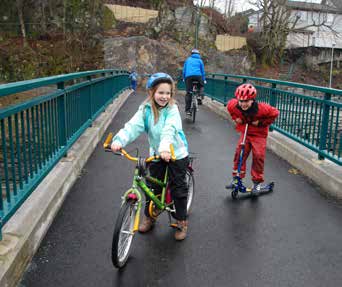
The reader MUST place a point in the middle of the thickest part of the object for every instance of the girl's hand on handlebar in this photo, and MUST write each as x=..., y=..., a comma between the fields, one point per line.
x=115, y=147
x=165, y=155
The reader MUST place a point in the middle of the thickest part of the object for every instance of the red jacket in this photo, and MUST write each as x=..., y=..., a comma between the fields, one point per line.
x=262, y=112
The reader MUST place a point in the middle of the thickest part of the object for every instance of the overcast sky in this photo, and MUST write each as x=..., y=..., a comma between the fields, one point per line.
x=241, y=5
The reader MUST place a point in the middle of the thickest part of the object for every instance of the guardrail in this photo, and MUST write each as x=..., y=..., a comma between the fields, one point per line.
x=36, y=134
x=310, y=115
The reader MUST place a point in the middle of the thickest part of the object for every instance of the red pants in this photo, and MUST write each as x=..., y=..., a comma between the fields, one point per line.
x=258, y=147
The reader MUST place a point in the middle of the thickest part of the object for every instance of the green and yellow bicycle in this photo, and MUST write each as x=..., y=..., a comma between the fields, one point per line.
x=127, y=221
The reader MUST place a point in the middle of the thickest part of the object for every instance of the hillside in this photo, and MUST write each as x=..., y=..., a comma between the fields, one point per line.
x=55, y=52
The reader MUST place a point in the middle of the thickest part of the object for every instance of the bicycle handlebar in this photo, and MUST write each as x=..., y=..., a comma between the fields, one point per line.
x=107, y=147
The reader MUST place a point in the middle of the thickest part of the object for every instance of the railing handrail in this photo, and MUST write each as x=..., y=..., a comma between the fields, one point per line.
x=36, y=134
x=312, y=118
x=283, y=83
x=21, y=86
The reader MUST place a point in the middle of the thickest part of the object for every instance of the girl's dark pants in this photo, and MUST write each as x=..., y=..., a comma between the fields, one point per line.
x=134, y=85
x=177, y=183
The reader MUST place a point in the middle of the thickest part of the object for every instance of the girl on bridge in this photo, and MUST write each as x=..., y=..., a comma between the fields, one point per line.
x=159, y=117
x=244, y=109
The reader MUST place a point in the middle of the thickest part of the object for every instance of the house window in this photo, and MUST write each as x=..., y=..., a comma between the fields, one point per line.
x=325, y=17
x=330, y=18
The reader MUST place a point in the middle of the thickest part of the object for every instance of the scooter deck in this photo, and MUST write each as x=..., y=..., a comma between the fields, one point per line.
x=268, y=188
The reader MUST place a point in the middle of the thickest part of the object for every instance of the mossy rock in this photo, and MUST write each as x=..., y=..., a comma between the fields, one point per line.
x=109, y=21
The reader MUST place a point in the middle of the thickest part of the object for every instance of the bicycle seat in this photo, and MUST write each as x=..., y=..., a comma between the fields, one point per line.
x=196, y=85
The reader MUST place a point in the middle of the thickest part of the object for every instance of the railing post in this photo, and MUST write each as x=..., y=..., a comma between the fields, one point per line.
x=90, y=102
x=212, y=89
x=61, y=102
x=103, y=84
x=273, y=100
x=225, y=90
x=0, y=228
x=324, y=126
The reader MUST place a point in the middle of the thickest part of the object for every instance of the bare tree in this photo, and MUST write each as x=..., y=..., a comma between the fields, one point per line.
x=201, y=3
x=20, y=8
x=212, y=3
x=229, y=6
x=277, y=21
x=333, y=3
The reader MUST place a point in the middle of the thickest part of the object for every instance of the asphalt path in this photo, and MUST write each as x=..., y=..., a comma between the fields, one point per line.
x=291, y=237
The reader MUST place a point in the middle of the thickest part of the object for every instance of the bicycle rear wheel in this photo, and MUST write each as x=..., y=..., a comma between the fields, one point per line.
x=190, y=180
x=123, y=234
x=194, y=110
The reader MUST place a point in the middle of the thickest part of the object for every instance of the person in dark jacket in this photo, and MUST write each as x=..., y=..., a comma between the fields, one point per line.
x=193, y=70
x=134, y=80
x=244, y=109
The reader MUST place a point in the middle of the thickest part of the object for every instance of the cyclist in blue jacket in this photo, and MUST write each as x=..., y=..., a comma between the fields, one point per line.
x=193, y=70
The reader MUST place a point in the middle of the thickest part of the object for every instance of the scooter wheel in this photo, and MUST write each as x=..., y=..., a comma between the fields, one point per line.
x=234, y=194
x=271, y=186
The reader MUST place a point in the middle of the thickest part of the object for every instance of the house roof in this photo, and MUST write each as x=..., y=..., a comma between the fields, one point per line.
x=247, y=12
x=300, y=5
x=306, y=6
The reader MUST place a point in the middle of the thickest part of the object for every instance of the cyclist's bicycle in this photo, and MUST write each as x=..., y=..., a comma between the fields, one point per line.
x=195, y=99
x=127, y=222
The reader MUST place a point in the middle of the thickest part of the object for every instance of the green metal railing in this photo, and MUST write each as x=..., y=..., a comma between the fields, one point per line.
x=37, y=133
x=310, y=115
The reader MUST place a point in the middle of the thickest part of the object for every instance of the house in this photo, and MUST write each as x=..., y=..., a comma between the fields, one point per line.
x=308, y=30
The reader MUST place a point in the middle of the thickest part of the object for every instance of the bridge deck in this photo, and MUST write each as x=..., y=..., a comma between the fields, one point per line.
x=289, y=238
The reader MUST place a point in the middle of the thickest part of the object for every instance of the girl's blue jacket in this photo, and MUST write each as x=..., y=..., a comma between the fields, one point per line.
x=168, y=130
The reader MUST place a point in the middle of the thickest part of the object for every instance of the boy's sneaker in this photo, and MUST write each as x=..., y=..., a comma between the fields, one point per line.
x=146, y=224
x=188, y=114
x=256, y=188
x=232, y=184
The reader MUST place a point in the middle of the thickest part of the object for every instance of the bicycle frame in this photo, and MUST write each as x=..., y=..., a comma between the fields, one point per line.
x=139, y=185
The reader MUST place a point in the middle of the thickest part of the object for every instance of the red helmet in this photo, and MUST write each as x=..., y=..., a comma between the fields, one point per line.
x=245, y=92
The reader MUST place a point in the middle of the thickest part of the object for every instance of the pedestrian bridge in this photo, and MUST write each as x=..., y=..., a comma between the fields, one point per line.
x=50, y=147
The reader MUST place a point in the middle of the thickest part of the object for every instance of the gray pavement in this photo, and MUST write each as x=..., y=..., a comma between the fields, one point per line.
x=291, y=237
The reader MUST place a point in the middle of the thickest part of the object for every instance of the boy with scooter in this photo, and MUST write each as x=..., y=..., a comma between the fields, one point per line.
x=252, y=121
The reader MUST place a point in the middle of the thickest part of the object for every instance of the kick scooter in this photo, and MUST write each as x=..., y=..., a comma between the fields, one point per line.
x=237, y=185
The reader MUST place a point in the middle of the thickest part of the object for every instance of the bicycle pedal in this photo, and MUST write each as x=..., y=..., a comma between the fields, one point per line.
x=173, y=225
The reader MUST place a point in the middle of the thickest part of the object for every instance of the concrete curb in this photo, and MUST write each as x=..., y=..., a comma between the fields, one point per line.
x=324, y=173
x=25, y=230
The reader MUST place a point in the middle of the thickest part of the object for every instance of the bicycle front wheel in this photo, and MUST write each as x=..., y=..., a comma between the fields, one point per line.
x=123, y=233
x=190, y=180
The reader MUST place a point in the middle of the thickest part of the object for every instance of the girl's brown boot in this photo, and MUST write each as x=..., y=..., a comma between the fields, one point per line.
x=182, y=228
x=146, y=224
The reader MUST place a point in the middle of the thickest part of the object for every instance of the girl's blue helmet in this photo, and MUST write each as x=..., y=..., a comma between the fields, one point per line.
x=158, y=78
